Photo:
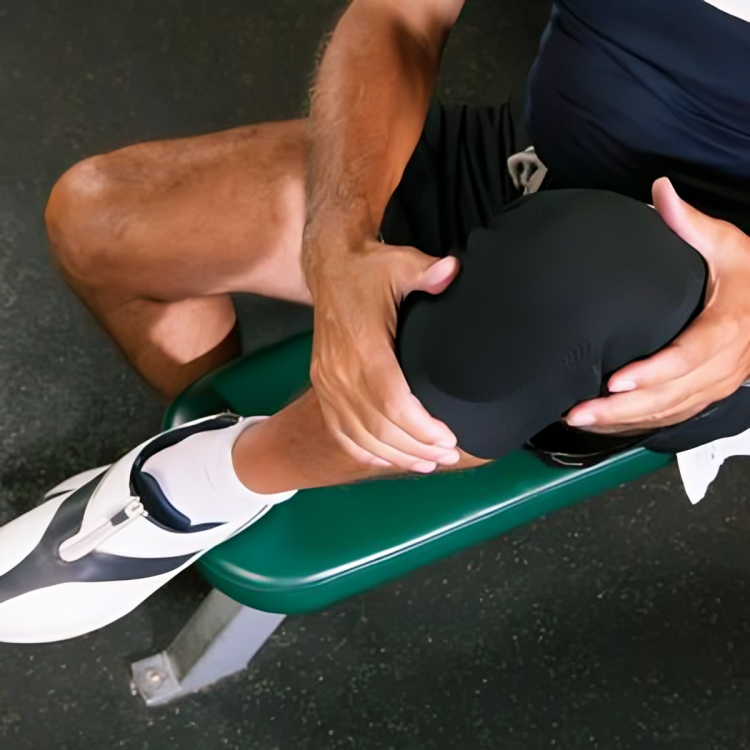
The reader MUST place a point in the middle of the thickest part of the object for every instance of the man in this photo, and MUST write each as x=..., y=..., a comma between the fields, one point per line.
x=154, y=237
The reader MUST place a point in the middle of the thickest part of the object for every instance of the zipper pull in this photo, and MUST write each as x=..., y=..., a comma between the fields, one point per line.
x=75, y=548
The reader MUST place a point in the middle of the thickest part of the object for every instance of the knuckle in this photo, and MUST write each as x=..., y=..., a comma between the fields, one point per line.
x=678, y=411
x=315, y=373
x=727, y=388
x=371, y=461
x=318, y=374
x=359, y=453
x=728, y=332
x=683, y=358
x=350, y=447
x=326, y=376
x=662, y=411
x=393, y=407
x=660, y=417
x=377, y=428
x=361, y=458
x=333, y=423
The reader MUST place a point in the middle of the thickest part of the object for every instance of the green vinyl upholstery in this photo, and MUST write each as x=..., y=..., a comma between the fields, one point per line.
x=326, y=544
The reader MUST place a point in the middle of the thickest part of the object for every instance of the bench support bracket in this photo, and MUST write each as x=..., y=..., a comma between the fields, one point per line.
x=219, y=640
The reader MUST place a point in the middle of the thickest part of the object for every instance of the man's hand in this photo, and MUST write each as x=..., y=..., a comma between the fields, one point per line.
x=709, y=360
x=369, y=105
x=365, y=400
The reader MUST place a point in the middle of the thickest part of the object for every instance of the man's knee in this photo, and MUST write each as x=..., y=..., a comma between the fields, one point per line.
x=78, y=216
x=560, y=291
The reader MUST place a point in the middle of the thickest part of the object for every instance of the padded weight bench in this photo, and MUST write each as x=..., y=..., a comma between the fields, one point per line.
x=324, y=545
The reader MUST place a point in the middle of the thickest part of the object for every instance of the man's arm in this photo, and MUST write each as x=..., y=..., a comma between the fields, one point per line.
x=371, y=97
x=370, y=100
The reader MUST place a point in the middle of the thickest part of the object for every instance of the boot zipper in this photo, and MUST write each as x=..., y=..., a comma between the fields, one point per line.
x=79, y=546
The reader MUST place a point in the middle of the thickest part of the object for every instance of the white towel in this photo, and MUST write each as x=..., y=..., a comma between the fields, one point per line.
x=700, y=466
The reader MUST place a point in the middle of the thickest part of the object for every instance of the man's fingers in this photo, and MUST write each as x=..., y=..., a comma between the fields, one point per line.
x=376, y=434
x=643, y=407
x=390, y=434
x=368, y=450
x=360, y=454
x=418, y=271
x=385, y=419
x=706, y=338
x=439, y=276
x=391, y=396
x=350, y=446
x=413, y=457
x=660, y=404
x=691, y=225
x=655, y=406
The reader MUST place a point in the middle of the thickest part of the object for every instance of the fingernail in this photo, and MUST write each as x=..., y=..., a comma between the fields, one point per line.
x=424, y=467
x=580, y=420
x=622, y=385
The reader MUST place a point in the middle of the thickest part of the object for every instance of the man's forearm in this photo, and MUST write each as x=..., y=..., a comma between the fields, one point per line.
x=370, y=100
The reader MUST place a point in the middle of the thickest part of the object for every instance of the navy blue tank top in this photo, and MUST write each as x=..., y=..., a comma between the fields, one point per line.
x=624, y=91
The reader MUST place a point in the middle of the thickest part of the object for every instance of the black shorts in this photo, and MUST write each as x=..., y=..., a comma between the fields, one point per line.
x=457, y=182
x=457, y=178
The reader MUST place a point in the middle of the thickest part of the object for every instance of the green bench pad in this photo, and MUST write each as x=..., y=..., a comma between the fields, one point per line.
x=324, y=545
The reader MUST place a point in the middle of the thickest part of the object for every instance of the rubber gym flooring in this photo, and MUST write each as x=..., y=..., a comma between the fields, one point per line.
x=623, y=622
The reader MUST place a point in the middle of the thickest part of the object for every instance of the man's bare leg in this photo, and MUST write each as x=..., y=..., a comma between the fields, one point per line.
x=294, y=450
x=154, y=237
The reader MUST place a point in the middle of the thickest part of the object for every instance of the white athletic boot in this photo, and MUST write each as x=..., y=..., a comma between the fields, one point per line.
x=103, y=542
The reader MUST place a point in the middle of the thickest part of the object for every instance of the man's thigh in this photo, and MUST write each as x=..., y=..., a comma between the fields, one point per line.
x=170, y=220
x=224, y=212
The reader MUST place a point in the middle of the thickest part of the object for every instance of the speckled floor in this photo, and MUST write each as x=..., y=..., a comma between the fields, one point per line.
x=623, y=622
